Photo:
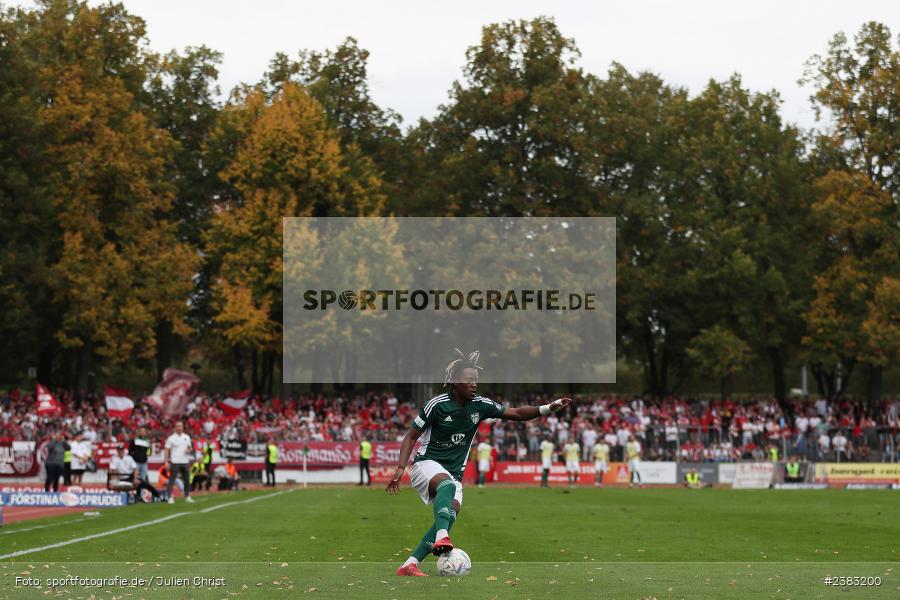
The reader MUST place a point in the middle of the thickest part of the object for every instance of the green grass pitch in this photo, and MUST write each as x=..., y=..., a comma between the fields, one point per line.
x=524, y=542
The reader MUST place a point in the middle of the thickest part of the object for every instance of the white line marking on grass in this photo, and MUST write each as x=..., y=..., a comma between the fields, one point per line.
x=130, y=527
x=226, y=504
x=92, y=537
x=40, y=527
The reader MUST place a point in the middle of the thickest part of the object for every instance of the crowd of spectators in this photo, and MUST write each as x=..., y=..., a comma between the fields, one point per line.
x=669, y=429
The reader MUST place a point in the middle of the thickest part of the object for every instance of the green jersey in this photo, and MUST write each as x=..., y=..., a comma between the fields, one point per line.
x=448, y=430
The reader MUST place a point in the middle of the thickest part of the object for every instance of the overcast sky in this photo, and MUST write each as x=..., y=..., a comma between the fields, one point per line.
x=418, y=48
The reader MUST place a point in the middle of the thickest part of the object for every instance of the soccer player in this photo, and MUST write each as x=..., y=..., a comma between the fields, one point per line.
x=547, y=449
x=484, y=461
x=572, y=451
x=601, y=462
x=446, y=424
x=633, y=453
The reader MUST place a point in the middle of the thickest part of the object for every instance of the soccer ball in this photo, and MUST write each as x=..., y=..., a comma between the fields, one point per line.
x=455, y=563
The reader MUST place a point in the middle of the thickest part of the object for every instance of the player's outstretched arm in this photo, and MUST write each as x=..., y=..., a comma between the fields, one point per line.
x=527, y=413
x=409, y=440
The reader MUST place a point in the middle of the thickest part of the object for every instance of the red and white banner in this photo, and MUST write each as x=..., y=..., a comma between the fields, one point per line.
x=47, y=404
x=234, y=404
x=334, y=454
x=118, y=402
x=174, y=392
x=18, y=458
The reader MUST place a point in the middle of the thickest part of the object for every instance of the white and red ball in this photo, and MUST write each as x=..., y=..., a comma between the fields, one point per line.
x=455, y=563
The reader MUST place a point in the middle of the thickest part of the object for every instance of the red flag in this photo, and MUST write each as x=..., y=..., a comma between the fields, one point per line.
x=174, y=392
x=46, y=403
x=118, y=402
x=234, y=403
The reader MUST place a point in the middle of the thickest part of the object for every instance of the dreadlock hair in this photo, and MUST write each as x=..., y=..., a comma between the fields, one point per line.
x=459, y=364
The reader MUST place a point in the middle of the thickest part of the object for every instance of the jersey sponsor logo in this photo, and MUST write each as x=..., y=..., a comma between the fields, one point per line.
x=458, y=438
x=448, y=419
x=475, y=418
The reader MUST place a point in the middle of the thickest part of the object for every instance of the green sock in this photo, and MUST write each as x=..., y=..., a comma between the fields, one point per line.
x=443, y=504
x=424, y=547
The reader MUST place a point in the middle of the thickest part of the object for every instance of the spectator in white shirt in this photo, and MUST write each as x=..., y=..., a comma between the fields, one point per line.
x=822, y=407
x=824, y=445
x=81, y=454
x=89, y=435
x=178, y=455
x=839, y=443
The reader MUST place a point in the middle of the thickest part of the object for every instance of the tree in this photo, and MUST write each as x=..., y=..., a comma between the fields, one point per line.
x=29, y=234
x=719, y=353
x=181, y=96
x=118, y=268
x=641, y=171
x=283, y=160
x=858, y=85
x=849, y=319
x=511, y=140
x=371, y=140
x=753, y=203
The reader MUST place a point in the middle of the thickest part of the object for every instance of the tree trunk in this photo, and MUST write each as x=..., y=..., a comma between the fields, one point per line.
x=845, y=379
x=164, y=341
x=254, y=372
x=825, y=381
x=270, y=372
x=820, y=380
x=352, y=362
x=780, y=388
x=650, y=374
x=663, y=385
x=240, y=368
x=287, y=389
x=45, y=364
x=876, y=382
x=727, y=386
x=85, y=364
x=547, y=369
x=317, y=375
